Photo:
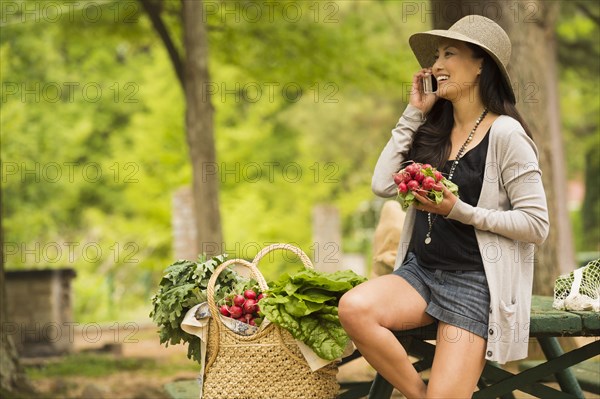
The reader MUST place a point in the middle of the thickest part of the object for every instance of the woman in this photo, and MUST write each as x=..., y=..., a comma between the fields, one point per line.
x=467, y=262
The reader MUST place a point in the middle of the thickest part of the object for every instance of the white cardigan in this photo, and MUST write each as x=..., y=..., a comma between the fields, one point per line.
x=510, y=217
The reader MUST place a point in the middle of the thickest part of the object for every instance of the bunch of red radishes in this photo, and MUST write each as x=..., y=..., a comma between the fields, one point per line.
x=243, y=307
x=423, y=179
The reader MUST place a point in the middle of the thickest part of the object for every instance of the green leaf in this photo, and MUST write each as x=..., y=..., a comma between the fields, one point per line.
x=298, y=307
x=305, y=304
x=317, y=295
x=183, y=286
x=327, y=338
x=451, y=186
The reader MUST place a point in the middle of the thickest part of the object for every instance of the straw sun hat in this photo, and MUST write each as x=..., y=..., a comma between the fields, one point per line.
x=475, y=29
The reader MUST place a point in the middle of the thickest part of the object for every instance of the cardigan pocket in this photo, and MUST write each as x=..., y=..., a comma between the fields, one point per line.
x=508, y=318
x=509, y=309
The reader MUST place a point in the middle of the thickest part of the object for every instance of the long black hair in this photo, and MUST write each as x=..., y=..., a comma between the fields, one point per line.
x=432, y=140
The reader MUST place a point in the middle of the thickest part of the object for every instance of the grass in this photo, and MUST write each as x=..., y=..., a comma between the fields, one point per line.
x=101, y=365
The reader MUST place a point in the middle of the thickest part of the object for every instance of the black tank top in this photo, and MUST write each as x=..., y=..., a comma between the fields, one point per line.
x=453, y=244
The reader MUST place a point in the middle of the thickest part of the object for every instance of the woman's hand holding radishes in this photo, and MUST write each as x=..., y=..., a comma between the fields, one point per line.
x=426, y=188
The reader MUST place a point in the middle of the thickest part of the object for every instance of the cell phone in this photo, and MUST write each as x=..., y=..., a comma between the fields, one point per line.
x=429, y=84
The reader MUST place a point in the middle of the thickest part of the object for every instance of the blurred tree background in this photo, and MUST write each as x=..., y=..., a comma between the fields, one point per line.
x=93, y=140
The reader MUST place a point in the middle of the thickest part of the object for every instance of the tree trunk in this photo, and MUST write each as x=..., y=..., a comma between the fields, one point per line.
x=12, y=376
x=9, y=360
x=533, y=69
x=591, y=202
x=535, y=65
x=200, y=129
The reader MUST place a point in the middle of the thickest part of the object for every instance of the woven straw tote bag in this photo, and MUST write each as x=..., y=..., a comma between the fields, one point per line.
x=265, y=365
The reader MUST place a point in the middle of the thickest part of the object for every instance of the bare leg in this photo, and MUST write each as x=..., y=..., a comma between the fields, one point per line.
x=369, y=312
x=458, y=363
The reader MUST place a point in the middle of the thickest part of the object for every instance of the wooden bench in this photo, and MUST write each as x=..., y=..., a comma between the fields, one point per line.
x=546, y=325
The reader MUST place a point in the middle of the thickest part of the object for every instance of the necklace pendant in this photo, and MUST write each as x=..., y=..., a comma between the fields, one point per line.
x=427, y=240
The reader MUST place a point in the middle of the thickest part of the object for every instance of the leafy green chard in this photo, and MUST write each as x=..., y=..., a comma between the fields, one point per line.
x=183, y=286
x=306, y=304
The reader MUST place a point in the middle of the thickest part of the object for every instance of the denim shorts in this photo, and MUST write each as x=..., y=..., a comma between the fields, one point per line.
x=458, y=298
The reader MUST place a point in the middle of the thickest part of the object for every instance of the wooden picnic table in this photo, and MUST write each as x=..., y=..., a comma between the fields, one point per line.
x=546, y=325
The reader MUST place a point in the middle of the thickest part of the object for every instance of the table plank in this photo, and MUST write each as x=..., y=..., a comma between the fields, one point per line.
x=545, y=320
x=590, y=321
x=555, y=324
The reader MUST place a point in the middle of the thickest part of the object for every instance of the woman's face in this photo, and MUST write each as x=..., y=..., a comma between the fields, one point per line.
x=455, y=69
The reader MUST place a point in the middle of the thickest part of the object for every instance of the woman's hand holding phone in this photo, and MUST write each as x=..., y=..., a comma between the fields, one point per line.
x=418, y=97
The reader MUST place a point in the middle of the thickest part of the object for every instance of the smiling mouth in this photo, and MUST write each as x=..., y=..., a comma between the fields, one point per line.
x=442, y=78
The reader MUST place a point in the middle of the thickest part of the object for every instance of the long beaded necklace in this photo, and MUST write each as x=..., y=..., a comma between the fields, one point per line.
x=453, y=167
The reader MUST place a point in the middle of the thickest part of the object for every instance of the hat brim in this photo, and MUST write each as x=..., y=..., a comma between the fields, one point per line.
x=425, y=44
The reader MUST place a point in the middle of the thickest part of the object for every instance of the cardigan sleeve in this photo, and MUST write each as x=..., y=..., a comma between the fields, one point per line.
x=527, y=219
x=395, y=152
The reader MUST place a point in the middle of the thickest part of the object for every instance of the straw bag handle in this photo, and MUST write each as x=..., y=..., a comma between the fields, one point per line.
x=215, y=314
x=212, y=306
x=303, y=257
x=307, y=264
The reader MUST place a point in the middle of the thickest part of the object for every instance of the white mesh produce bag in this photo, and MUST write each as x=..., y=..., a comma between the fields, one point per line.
x=580, y=289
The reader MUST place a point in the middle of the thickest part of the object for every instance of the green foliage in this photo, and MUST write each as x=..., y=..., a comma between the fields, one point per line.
x=184, y=285
x=590, y=209
x=345, y=66
x=579, y=61
x=80, y=172
x=95, y=365
x=306, y=304
x=577, y=36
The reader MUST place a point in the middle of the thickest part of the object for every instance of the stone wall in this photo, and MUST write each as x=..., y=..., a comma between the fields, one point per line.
x=40, y=314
